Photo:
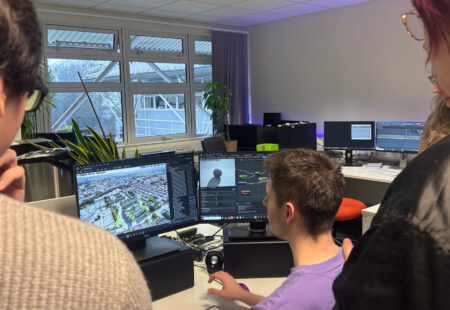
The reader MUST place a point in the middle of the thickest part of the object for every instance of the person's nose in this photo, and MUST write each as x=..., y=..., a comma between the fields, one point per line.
x=436, y=89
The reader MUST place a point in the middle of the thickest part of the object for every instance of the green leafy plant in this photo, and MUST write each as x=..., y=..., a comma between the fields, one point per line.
x=216, y=97
x=91, y=149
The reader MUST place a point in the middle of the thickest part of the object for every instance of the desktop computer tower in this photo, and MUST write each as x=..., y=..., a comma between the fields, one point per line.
x=169, y=273
x=256, y=258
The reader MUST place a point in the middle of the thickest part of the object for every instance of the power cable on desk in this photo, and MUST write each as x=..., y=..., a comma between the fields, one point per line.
x=207, y=237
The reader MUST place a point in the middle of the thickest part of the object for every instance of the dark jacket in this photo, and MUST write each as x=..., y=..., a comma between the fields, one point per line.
x=403, y=260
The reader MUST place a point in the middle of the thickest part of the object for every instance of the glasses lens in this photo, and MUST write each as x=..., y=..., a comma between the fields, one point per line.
x=415, y=26
x=33, y=101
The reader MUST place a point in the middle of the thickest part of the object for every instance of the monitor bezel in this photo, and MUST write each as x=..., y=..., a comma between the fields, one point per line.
x=155, y=159
x=226, y=221
x=372, y=123
x=395, y=150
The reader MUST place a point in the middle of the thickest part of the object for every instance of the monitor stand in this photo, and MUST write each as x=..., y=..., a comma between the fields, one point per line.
x=349, y=159
x=256, y=231
x=151, y=247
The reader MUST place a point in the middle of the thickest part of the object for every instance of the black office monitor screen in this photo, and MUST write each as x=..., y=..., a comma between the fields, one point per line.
x=138, y=198
x=232, y=187
x=349, y=135
x=401, y=137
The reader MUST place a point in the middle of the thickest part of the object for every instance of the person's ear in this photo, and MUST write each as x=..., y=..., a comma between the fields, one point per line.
x=289, y=209
x=2, y=97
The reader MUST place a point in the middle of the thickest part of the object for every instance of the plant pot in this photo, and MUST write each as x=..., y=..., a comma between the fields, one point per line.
x=231, y=145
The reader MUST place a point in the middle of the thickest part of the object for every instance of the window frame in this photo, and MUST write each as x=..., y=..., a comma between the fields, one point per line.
x=123, y=53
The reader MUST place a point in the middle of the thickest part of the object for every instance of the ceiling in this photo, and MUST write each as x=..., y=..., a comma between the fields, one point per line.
x=228, y=12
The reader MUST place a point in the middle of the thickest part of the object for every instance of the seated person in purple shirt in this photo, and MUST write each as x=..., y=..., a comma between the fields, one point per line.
x=303, y=195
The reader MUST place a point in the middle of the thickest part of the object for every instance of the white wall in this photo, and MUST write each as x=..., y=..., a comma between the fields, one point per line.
x=352, y=63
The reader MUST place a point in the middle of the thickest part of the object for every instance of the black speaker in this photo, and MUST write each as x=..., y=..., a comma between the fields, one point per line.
x=169, y=273
x=214, y=261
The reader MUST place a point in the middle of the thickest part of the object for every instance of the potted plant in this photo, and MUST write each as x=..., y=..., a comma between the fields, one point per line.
x=96, y=148
x=216, y=97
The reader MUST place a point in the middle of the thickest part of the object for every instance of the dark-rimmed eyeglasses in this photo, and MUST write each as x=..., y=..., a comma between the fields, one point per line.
x=37, y=96
x=414, y=25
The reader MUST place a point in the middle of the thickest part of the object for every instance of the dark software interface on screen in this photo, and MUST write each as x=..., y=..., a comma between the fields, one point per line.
x=141, y=197
x=349, y=135
x=232, y=186
x=399, y=136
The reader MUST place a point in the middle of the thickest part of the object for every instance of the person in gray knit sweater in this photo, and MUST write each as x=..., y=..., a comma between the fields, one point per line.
x=49, y=261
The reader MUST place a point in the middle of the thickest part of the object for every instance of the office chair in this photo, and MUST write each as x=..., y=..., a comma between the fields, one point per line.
x=213, y=144
x=347, y=220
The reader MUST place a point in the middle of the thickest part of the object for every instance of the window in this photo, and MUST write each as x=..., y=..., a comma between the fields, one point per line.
x=61, y=38
x=156, y=44
x=151, y=77
x=150, y=72
x=203, y=47
x=161, y=114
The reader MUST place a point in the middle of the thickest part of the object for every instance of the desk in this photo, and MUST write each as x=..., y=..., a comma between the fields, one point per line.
x=367, y=216
x=197, y=296
x=366, y=174
x=366, y=185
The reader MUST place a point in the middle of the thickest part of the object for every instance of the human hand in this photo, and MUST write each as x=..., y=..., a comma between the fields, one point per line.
x=12, y=176
x=230, y=288
x=347, y=247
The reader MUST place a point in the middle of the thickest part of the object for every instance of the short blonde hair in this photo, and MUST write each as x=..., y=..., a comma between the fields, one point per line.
x=437, y=125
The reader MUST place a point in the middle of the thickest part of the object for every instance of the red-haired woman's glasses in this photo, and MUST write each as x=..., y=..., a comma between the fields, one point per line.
x=413, y=25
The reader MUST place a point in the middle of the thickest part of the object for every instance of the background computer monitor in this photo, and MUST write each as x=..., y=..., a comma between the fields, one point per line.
x=271, y=119
x=403, y=137
x=138, y=198
x=232, y=187
x=349, y=136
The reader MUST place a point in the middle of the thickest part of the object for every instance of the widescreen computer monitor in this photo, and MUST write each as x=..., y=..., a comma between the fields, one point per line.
x=402, y=137
x=349, y=136
x=232, y=187
x=138, y=198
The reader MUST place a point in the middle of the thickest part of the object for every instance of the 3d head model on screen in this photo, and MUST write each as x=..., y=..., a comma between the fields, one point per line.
x=215, y=180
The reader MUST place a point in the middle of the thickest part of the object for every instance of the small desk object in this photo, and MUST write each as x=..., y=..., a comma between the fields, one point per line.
x=168, y=273
x=256, y=258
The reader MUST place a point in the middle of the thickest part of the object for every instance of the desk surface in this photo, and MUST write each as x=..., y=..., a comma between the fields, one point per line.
x=370, y=174
x=197, y=296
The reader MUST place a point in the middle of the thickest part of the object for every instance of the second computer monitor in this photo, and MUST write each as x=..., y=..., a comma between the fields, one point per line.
x=356, y=135
x=401, y=137
x=232, y=187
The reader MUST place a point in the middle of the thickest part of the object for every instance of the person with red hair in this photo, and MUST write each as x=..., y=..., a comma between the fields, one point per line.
x=403, y=260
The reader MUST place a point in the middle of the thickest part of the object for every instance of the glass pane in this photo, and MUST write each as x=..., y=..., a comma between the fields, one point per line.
x=80, y=39
x=156, y=44
x=100, y=71
x=76, y=105
x=203, y=123
x=161, y=114
x=150, y=72
x=202, y=73
x=203, y=47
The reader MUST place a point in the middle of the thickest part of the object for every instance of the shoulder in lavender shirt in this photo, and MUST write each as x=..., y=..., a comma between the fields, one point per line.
x=307, y=287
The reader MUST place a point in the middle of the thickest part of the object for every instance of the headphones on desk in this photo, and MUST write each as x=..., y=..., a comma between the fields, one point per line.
x=214, y=261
